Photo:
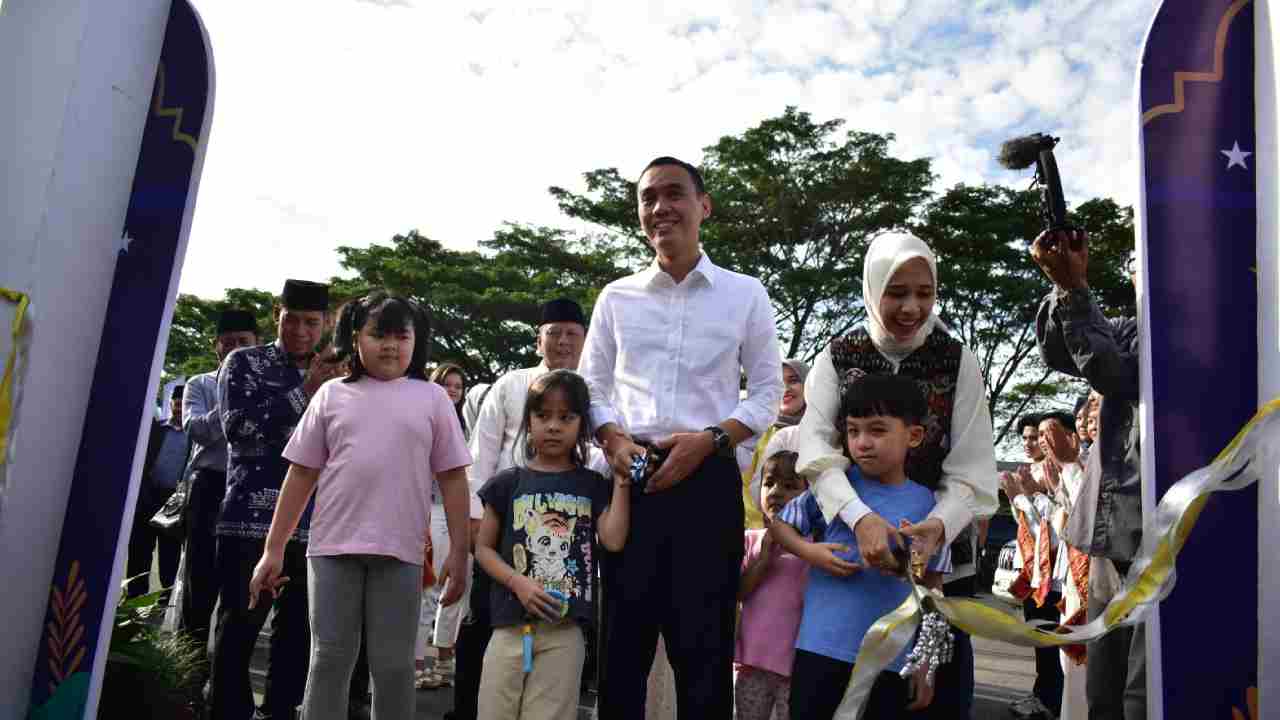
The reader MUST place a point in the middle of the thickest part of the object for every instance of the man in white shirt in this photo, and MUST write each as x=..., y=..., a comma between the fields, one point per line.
x=561, y=334
x=663, y=360
x=1060, y=682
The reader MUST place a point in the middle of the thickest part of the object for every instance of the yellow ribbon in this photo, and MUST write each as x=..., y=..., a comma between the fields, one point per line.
x=10, y=370
x=1254, y=450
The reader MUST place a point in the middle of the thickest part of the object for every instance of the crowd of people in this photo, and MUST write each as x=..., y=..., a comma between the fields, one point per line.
x=662, y=473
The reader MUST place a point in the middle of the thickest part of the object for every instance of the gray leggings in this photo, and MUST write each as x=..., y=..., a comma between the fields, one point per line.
x=381, y=595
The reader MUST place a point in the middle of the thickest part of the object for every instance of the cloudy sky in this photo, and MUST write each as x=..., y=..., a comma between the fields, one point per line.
x=343, y=122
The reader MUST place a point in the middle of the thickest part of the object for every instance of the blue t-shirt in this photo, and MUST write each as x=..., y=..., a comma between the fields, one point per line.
x=839, y=611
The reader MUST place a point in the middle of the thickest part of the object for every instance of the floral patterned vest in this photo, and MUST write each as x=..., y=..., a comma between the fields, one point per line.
x=935, y=366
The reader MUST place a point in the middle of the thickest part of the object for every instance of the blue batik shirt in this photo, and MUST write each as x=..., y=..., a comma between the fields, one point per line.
x=261, y=400
x=838, y=611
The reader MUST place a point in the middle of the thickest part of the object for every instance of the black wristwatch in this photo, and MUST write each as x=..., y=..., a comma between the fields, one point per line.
x=719, y=438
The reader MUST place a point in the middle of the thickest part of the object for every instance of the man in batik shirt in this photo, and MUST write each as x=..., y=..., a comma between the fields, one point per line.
x=262, y=392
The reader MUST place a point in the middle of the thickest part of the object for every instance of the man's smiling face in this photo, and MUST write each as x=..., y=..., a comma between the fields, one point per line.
x=671, y=210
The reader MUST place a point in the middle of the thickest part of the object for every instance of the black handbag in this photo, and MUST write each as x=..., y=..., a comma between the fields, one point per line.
x=171, y=519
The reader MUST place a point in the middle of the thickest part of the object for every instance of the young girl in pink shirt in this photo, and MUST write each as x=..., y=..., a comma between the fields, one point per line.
x=367, y=446
x=772, y=596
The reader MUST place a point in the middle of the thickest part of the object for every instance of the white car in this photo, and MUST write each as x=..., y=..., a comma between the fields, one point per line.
x=1008, y=568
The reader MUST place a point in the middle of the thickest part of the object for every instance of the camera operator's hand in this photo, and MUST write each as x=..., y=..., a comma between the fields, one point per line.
x=1063, y=255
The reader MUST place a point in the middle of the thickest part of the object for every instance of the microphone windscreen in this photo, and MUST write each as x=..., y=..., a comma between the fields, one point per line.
x=1021, y=152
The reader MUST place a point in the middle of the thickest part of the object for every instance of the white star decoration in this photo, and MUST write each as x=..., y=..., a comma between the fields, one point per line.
x=1236, y=156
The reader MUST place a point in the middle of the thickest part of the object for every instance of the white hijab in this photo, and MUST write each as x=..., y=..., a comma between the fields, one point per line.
x=885, y=255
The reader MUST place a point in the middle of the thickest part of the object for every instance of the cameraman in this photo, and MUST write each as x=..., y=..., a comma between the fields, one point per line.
x=1106, y=521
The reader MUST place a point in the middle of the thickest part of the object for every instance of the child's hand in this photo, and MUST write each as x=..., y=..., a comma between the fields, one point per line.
x=767, y=545
x=453, y=576
x=876, y=538
x=926, y=537
x=535, y=599
x=921, y=690
x=768, y=548
x=266, y=577
x=823, y=555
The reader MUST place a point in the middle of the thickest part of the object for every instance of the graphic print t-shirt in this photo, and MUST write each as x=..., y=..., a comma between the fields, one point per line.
x=547, y=532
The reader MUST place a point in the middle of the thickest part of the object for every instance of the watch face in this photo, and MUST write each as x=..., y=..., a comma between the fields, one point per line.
x=719, y=437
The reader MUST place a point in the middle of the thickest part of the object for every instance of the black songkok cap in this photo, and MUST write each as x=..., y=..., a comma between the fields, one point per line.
x=176, y=393
x=562, y=310
x=237, y=321
x=304, y=295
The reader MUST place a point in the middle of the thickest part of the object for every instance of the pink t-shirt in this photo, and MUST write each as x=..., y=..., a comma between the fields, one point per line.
x=771, y=613
x=377, y=444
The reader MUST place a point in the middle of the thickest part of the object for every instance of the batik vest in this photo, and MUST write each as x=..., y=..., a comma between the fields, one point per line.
x=935, y=366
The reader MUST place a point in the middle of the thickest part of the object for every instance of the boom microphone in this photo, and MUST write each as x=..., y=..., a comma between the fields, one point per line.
x=1020, y=153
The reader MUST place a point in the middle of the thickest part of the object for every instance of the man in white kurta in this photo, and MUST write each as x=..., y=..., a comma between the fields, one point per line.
x=561, y=335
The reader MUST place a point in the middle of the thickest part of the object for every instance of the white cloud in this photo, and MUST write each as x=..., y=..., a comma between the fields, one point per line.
x=346, y=121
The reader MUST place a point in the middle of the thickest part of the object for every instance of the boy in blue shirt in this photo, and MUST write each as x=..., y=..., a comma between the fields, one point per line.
x=880, y=420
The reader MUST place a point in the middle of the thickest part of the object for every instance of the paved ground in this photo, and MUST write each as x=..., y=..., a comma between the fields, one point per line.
x=1002, y=672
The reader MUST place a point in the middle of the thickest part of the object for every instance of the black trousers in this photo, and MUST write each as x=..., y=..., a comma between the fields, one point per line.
x=954, y=683
x=200, y=576
x=473, y=640
x=145, y=540
x=238, y=628
x=678, y=575
x=818, y=684
x=1049, y=678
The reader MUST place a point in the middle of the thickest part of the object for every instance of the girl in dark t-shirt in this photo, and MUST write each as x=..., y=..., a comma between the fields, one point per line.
x=540, y=524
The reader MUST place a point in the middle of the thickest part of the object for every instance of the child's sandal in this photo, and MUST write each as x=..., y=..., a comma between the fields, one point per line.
x=432, y=680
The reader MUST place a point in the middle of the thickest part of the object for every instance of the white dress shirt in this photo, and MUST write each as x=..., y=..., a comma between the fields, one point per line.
x=663, y=358
x=969, y=481
x=494, y=433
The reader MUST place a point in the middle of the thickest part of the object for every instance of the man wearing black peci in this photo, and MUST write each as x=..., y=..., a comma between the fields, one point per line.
x=262, y=392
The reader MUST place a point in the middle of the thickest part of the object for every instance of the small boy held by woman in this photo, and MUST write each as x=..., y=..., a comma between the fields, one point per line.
x=541, y=520
x=772, y=597
x=367, y=446
x=880, y=421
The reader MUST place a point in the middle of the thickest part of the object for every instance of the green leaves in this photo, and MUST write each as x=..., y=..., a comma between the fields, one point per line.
x=484, y=305
x=191, y=335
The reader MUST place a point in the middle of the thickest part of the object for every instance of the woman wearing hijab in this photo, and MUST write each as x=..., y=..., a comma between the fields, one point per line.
x=904, y=335
x=781, y=435
x=439, y=626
